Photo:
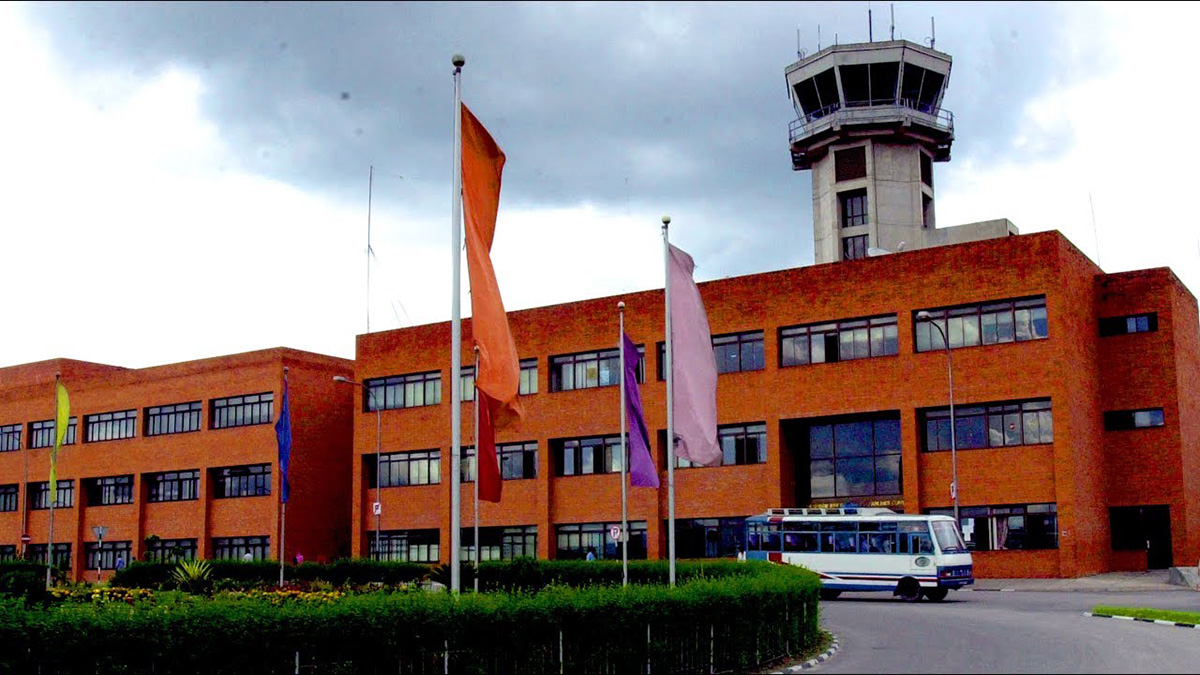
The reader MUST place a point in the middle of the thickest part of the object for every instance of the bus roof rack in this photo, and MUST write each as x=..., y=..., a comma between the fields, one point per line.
x=845, y=511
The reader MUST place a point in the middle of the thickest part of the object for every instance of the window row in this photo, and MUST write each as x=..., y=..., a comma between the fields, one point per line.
x=994, y=425
x=1007, y=528
x=113, y=555
x=983, y=324
x=1133, y=323
x=172, y=486
x=518, y=461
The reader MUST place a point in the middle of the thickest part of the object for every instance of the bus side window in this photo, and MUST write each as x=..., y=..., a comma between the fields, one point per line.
x=772, y=542
x=922, y=544
x=808, y=542
x=791, y=542
x=753, y=541
x=845, y=542
x=902, y=544
x=826, y=542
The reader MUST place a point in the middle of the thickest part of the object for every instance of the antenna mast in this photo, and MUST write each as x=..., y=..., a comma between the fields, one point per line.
x=892, y=34
x=370, y=189
x=870, y=25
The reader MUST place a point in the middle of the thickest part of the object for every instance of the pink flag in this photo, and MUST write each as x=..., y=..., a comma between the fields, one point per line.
x=693, y=367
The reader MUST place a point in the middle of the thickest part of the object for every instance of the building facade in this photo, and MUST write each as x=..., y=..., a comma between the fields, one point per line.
x=176, y=461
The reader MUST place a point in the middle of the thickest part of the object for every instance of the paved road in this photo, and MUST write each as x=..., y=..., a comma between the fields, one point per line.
x=1022, y=632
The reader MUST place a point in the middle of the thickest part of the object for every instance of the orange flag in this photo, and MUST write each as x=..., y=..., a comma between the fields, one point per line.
x=499, y=372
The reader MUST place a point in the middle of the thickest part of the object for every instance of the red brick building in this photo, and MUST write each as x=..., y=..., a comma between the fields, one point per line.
x=1078, y=435
x=176, y=461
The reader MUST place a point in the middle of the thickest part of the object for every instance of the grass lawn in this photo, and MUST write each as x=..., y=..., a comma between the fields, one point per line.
x=1148, y=613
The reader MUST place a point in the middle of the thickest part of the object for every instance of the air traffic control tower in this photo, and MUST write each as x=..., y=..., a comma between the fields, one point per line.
x=870, y=127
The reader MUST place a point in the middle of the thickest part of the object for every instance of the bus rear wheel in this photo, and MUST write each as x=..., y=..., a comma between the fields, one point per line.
x=909, y=590
x=829, y=595
x=936, y=594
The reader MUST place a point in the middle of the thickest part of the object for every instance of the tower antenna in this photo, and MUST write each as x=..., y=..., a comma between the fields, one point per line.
x=892, y=33
x=870, y=24
x=818, y=37
x=799, y=53
x=1095, y=232
x=932, y=33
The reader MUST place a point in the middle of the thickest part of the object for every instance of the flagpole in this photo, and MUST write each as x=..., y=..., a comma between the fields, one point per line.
x=456, y=333
x=477, y=456
x=282, y=503
x=370, y=190
x=624, y=454
x=670, y=376
x=53, y=493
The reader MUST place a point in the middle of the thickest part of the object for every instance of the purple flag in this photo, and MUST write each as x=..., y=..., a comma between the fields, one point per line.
x=693, y=367
x=641, y=468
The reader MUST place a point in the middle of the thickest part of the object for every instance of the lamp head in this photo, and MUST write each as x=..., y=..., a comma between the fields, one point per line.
x=621, y=305
x=666, y=220
x=340, y=378
x=458, y=61
x=923, y=316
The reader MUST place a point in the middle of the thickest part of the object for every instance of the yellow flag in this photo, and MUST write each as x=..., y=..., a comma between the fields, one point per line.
x=62, y=417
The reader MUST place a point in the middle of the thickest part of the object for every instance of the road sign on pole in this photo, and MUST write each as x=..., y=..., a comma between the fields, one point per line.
x=25, y=539
x=615, y=532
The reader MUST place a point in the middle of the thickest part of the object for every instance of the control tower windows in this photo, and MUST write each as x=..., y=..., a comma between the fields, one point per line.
x=854, y=208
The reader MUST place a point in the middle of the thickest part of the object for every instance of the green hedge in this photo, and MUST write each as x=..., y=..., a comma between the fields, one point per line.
x=24, y=579
x=730, y=621
x=355, y=572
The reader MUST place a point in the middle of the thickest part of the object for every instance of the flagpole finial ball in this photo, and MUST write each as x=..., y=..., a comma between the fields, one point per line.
x=666, y=220
x=458, y=61
x=621, y=305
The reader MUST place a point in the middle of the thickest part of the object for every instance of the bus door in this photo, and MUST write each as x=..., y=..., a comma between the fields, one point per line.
x=916, y=542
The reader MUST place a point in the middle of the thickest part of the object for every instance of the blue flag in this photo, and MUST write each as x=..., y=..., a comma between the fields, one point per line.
x=283, y=434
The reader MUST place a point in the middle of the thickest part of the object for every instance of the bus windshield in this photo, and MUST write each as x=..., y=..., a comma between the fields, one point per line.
x=947, y=537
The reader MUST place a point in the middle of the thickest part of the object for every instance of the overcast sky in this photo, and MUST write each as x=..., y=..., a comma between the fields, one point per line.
x=179, y=181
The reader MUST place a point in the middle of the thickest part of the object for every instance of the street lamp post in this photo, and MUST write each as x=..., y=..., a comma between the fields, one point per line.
x=99, y=531
x=378, y=505
x=927, y=318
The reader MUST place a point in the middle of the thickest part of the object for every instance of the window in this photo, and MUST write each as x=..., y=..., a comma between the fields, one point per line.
x=583, y=456
x=173, y=486
x=992, y=425
x=709, y=537
x=500, y=543
x=10, y=438
x=105, y=556
x=850, y=163
x=739, y=352
x=241, y=548
x=591, y=369
x=838, y=341
x=41, y=434
x=108, y=491
x=110, y=426
x=529, y=377
x=1134, y=323
x=242, y=411
x=854, y=248
x=926, y=169
x=575, y=540
x=517, y=461
x=420, y=546
x=173, y=419
x=8, y=552
x=983, y=324
x=253, y=480
x=1007, y=528
x=9, y=495
x=466, y=386
x=740, y=444
x=854, y=457
x=927, y=220
x=1122, y=420
x=167, y=550
x=404, y=391
x=466, y=464
x=61, y=557
x=854, y=208
x=39, y=495
x=406, y=468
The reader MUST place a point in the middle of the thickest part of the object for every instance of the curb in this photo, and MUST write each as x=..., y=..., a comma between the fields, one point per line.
x=816, y=661
x=1160, y=622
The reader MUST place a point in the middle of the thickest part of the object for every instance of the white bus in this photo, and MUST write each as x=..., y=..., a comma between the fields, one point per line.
x=865, y=549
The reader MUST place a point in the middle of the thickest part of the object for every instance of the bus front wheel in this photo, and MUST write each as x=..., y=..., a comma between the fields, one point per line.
x=936, y=594
x=829, y=595
x=909, y=590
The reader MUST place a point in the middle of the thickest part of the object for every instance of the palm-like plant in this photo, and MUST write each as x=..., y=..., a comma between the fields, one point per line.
x=193, y=576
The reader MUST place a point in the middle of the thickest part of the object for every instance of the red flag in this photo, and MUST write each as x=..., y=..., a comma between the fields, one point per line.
x=499, y=371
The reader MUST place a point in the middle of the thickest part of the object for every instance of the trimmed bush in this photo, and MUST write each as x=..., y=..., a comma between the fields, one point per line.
x=26, y=580
x=238, y=574
x=725, y=622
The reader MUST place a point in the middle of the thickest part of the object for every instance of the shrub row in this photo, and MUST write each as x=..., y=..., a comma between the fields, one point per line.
x=718, y=622
x=238, y=573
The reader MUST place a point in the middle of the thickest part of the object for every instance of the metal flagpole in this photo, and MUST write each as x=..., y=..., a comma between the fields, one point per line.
x=670, y=375
x=283, y=504
x=53, y=495
x=624, y=455
x=477, y=456
x=370, y=190
x=456, y=333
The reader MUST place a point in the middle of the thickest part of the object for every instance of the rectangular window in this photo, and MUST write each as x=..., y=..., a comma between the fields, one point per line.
x=420, y=546
x=39, y=495
x=1133, y=323
x=241, y=548
x=518, y=461
x=41, y=434
x=61, y=558
x=500, y=543
x=9, y=495
x=740, y=444
x=466, y=464
x=576, y=540
x=105, y=556
x=110, y=426
x=242, y=411
x=466, y=384
x=1021, y=527
x=989, y=425
x=709, y=537
x=109, y=491
x=926, y=170
x=854, y=457
x=529, y=377
x=403, y=391
x=1122, y=420
x=854, y=248
x=400, y=469
x=8, y=552
x=179, y=418
x=854, y=208
x=983, y=324
x=739, y=352
x=584, y=456
x=838, y=341
x=591, y=369
x=173, y=486
x=10, y=438
x=168, y=550
x=253, y=480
